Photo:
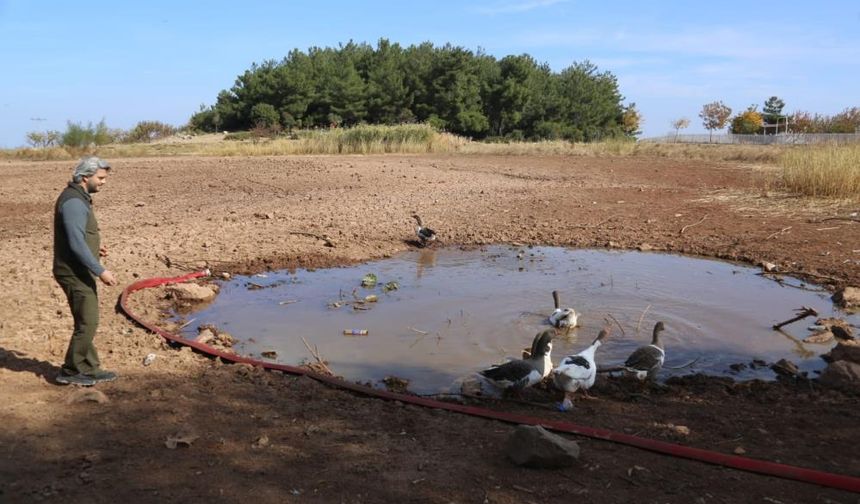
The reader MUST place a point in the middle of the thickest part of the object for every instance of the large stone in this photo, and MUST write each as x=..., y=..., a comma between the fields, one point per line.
x=192, y=292
x=843, y=375
x=849, y=297
x=534, y=446
x=844, y=351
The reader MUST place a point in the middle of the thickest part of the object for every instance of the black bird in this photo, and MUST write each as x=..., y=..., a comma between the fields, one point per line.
x=425, y=234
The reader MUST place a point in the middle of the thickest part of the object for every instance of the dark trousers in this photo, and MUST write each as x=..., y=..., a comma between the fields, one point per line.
x=81, y=357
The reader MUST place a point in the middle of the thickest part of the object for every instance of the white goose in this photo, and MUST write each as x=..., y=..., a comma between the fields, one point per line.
x=646, y=361
x=425, y=234
x=515, y=375
x=562, y=318
x=578, y=372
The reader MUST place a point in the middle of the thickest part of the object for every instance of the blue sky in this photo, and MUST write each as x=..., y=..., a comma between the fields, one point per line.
x=156, y=60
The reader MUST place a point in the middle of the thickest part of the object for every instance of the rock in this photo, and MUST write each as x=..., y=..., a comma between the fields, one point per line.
x=184, y=438
x=206, y=336
x=843, y=375
x=786, y=368
x=843, y=352
x=822, y=336
x=192, y=292
x=149, y=359
x=225, y=275
x=768, y=266
x=849, y=297
x=840, y=328
x=87, y=395
x=534, y=446
x=261, y=442
x=140, y=204
x=645, y=247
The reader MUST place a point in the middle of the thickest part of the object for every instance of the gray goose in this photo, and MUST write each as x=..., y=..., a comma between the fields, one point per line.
x=516, y=375
x=425, y=234
x=646, y=361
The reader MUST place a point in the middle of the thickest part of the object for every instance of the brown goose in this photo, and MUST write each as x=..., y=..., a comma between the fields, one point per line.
x=646, y=361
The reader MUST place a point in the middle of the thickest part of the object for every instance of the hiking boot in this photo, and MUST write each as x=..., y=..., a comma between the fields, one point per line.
x=79, y=379
x=101, y=375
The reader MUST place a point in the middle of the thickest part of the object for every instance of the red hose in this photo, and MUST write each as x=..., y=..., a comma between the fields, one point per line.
x=822, y=478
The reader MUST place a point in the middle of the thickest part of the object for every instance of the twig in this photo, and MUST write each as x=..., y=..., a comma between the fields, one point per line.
x=802, y=313
x=417, y=340
x=683, y=366
x=639, y=324
x=617, y=323
x=800, y=273
x=522, y=489
x=783, y=230
x=289, y=301
x=183, y=326
x=693, y=224
x=418, y=331
x=328, y=243
x=828, y=228
x=853, y=219
x=724, y=441
x=316, y=355
x=593, y=226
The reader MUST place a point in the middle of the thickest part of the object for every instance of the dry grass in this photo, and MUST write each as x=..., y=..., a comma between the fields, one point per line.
x=831, y=171
x=418, y=139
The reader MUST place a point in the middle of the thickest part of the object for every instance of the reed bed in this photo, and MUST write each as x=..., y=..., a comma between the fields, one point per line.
x=831, y=171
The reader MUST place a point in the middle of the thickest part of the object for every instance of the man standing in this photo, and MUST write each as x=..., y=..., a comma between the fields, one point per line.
x=76, y=266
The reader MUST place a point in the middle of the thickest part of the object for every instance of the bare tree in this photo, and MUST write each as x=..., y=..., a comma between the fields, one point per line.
x=715, y=115
x=679, y=124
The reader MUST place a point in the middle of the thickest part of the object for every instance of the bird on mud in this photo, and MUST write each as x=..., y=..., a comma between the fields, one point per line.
x=646, y=361
x=578, y=372
x=425, y=234
x=516, y=375
x=562, y=318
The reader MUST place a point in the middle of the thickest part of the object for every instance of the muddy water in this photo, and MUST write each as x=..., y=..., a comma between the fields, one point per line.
x=457, y=311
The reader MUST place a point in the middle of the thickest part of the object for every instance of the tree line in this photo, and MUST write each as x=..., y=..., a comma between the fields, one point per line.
x=771, y=120
x=449, y=87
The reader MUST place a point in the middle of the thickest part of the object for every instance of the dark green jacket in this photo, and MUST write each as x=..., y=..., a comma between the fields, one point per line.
x=76, y=255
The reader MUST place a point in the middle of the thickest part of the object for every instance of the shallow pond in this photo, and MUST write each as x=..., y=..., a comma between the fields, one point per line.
x=456, y=311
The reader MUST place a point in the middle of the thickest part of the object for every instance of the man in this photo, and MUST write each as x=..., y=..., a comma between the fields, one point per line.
x=76, y=266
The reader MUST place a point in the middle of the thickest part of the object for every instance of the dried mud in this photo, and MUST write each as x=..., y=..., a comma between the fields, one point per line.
x=280, y=438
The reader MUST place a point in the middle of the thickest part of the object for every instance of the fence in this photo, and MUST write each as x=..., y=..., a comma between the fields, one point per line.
x=779, y=139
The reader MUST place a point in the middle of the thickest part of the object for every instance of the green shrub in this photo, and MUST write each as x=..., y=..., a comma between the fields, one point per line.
x=147, y=131
x=79, y=136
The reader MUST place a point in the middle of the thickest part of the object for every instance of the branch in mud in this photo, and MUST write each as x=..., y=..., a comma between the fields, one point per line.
x=693, y=224
x=328, y=243
x=802, y=313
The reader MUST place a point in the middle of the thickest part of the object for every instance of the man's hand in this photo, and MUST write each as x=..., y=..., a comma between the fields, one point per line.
x=103, y=251
x=107, y=278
